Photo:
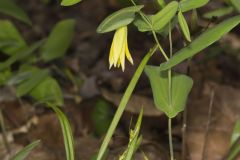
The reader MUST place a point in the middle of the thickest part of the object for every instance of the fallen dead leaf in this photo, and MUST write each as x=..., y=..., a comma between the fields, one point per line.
x=135, y=103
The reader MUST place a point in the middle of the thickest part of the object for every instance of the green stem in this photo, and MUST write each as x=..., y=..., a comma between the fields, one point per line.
x=170, y=138
x=144, y=17
x=124, y=102
x=170, y=94
x=159, y=45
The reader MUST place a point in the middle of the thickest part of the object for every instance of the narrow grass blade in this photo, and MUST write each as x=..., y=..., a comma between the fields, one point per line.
x=21, y=155
x=67, y=132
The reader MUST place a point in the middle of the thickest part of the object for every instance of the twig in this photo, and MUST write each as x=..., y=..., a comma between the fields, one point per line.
x=204, y=155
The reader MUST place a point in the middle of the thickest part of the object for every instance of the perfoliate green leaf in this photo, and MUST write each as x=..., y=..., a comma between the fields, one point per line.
x=69, y=2
x=67, y=133
x=181, y=86
x=203, y=41
x=163, y=17
x=59, y=40
x=10, y=38
x=22, y=155
x=48, y=91
x=184, y=26
x=10, y=8
x=218, y=13
x=26, y=86
x=141, y=24
x=187, y=5
x=159, y=20
x=236, y=4
x=165, y=30
x=119, y=19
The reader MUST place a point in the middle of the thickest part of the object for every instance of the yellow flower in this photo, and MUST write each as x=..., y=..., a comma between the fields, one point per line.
x=119, y=49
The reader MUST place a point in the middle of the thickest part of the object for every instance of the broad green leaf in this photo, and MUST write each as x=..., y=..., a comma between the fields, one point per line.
x=5, y=76
x=165, y=31
x=48, y=91
x=181, y=86
x=141, y=24
x=236, y=132
x=26, y=86
x=10, y=36
x=67, y=132
x=101, y=117
x=22, y=155
x=163, y=17
x=6, y=44
x=21, y=55
x=18, y=78
x=184, y=26
x=69, y=2
x=218, y=12
x=187, y=5
x=119, y=19
x=203, y=41
x=10, y=8
x=59, y=40
x=159, y=20
x=236, y=4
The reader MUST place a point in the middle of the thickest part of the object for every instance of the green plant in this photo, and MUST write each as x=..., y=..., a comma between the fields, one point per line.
x=235, y=147
x=134, y=140
x=170, y=89
x=29, y=79
x=21, y=155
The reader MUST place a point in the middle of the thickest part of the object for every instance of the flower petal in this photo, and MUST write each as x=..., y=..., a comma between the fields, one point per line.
x=128, y=54
x=111, y=60
x=118, y=41
x=122, y=57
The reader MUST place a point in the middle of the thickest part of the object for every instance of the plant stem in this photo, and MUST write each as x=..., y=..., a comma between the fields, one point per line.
x=159, y=45
x=170, y=94
x=170, y=138
x=124, y=102
x=169, y=83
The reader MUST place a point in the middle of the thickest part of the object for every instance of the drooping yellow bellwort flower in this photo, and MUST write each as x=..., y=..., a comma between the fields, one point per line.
x=119, y=49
